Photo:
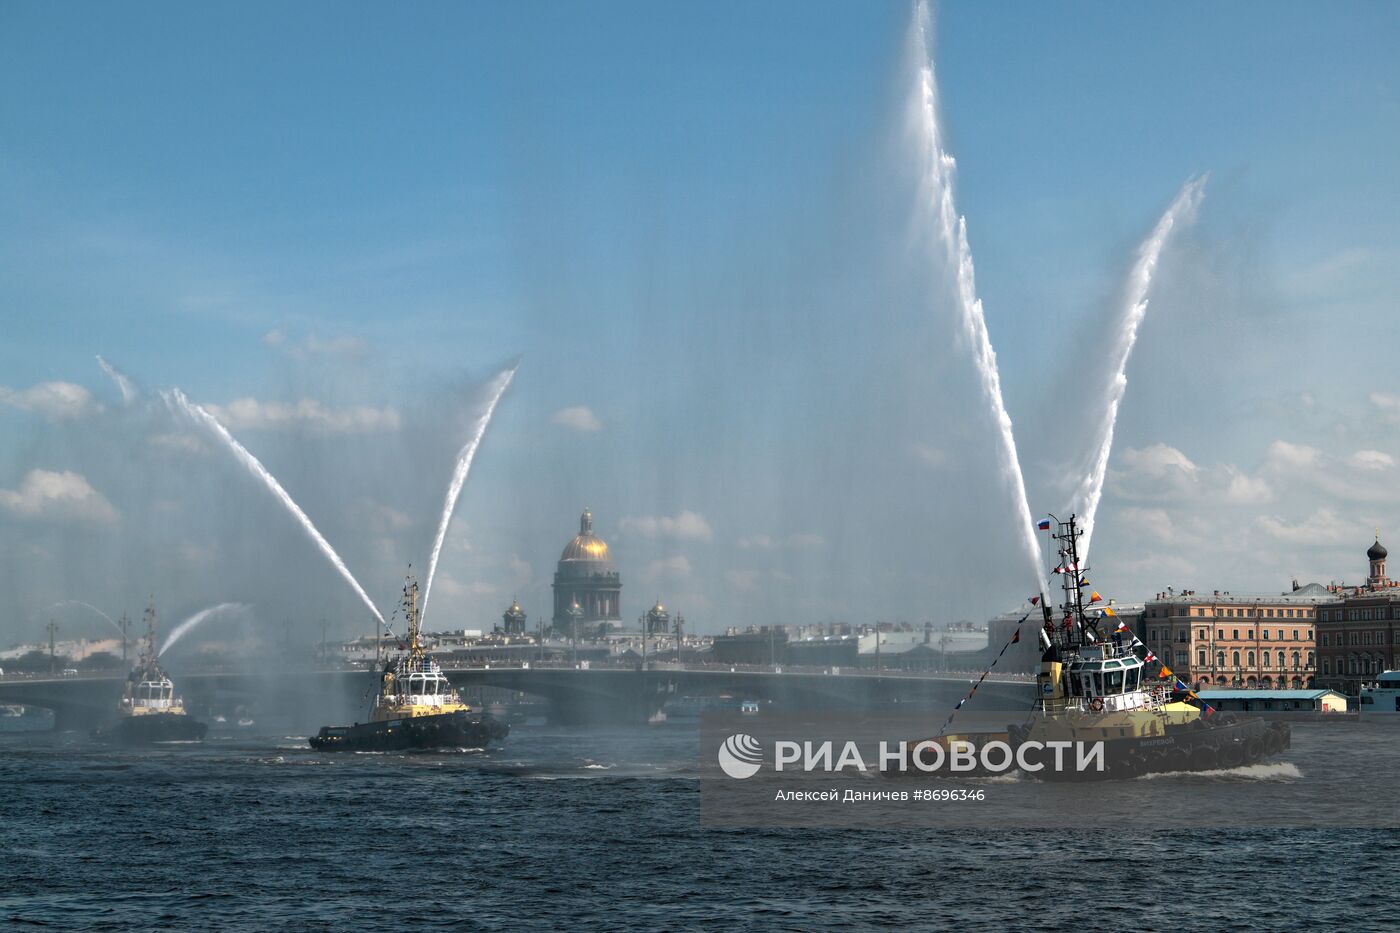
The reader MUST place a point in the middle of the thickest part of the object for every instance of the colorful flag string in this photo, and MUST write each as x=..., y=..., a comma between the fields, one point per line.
x=1015, y=637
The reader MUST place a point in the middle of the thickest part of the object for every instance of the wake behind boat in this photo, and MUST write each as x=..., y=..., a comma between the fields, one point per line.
x=416, y=706
x=150, y=711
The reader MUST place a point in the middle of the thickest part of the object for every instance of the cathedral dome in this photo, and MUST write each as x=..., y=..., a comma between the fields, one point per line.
x=586, y=546
x=1377, y=551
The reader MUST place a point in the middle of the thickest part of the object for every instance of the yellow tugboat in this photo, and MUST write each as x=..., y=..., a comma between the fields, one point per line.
x=150, y=711
x=415, y=706
x=1093, y=689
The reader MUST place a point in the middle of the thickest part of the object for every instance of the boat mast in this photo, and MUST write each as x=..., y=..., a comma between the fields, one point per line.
x=1077, y=632
x=148, y=652
x=410, y=608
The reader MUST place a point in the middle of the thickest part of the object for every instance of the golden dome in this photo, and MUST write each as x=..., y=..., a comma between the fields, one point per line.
x=586, y=545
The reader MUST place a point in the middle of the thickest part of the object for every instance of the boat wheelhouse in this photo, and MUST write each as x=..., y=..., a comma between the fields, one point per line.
x=1381, y=699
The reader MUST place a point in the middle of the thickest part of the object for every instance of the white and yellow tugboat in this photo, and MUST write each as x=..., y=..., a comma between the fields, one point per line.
x=150, y=711
x=1093, y=687
x=415, y=707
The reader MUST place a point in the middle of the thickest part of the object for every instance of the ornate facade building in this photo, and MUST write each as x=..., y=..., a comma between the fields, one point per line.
x=587, y=579
x=1221, y=640
x=1359, y=633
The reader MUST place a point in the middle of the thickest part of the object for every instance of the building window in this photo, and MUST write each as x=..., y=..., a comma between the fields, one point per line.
x=1201, y=658
x=1235, y=634
x=1235, y=659
x=1220, y=635
x=1249, y=634
x=1203, y=634
x=1326, y=640
x=1181, y=658
x=1200, y=612
x=1312, y=660
x=1251, y=658
x=1365, y=638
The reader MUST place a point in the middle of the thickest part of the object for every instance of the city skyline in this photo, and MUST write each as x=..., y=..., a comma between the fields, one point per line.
x=753, y=378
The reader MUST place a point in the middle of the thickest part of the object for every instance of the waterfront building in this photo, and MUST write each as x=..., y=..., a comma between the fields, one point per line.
x=1224, y=640
x=587, y=578
x=1316, y=700
x=1359, y=630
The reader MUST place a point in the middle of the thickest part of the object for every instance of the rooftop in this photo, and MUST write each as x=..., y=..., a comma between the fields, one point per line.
x=1243, y=694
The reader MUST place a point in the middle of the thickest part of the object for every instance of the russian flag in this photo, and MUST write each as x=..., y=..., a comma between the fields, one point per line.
x=1044, y=524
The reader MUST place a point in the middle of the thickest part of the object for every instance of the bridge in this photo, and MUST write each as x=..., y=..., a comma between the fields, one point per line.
x=574, y=694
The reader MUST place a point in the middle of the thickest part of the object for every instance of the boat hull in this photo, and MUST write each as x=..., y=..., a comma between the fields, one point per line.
x=1222, y=742
x=444, y=730
x=153, y=728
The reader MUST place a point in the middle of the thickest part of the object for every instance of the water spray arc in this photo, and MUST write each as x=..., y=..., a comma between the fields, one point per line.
x=124, y=384
x=953, y=232
x=459, y=477
x=178, y=402
x=193, y=621
x=80, y=603
x=1181, y=212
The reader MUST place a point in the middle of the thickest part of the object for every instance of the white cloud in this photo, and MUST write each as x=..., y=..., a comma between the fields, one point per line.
x=1284, y=456
x=177, y=443
x=1243, y=489
x=931, y=456
x=59, y=495
x=352, y=348
x=687, y=526
x=1324, y=526
x=520, y=570
x=1371, y=460
x=797, y=541
x=743, y=581
x=667, y=568
x=250, y=414
x=578, y=418
x=1156, y=473
x=1158, y=460
x=55, y=400
x=1388, y=406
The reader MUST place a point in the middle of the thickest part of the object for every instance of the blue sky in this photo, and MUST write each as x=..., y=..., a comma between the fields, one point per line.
x=693, y=220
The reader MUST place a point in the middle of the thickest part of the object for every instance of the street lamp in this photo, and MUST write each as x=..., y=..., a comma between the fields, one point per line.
x=575, y=613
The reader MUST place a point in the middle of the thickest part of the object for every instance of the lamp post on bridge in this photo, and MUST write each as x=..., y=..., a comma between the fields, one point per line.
x=575, y=613
x=52, y=628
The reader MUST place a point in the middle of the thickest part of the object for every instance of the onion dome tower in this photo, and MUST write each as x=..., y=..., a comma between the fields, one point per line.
x=1377, y=554
x=587, y=576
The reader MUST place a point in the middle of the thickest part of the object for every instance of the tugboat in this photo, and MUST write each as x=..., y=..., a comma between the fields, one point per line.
x=415, y=707
x=1093, y=687
x=150, y=711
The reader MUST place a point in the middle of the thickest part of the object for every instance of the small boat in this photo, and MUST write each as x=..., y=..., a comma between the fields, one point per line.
x=416, y=706
x=1381, y=700
x=749, y=707
x=150, y=711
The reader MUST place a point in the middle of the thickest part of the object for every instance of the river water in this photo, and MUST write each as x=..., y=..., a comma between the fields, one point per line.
x=597, y=829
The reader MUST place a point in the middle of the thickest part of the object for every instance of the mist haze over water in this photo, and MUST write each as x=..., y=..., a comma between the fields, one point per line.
x=600, y=829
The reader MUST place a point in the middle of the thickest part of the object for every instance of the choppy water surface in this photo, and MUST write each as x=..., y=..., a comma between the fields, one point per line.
x=593, y=829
